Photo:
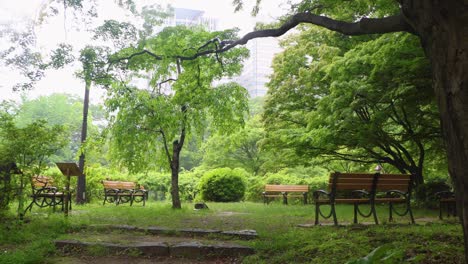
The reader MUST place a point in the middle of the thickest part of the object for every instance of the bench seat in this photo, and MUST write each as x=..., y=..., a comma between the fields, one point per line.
x=45, y=194
x=122, y=192
x=285, y=191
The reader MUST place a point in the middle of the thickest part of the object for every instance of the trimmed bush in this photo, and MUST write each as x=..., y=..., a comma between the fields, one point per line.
x=223, y=185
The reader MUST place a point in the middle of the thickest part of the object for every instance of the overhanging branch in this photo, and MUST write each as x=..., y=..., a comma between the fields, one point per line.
x=364, y=26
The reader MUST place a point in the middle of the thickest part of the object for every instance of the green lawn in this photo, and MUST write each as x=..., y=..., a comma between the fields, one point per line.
x=280, y=239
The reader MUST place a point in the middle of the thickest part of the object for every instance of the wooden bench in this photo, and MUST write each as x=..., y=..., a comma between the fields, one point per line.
x=447, y=201
x=45, y=194
x=365, y=189
x=285, y=191
x=122, y=192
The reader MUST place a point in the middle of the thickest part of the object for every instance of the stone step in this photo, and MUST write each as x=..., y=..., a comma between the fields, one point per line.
x=193, y=232
x=185, y=249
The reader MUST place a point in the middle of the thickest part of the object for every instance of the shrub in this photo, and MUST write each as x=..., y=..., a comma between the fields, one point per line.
x=425, y=193
x=223, y=185
x=255, y=187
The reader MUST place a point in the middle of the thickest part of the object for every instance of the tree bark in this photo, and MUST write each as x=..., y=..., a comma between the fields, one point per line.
x=81, y=188
x=175, y=166
x=443, y=29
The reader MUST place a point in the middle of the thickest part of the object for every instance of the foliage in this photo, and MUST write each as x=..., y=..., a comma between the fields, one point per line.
x=425, y=194
x=56, y=109
x=363, y=100
x=223, y=185
x=237, y=150
x=382, y=254
x=29, y=147
x=149, y=125
x=136, y=136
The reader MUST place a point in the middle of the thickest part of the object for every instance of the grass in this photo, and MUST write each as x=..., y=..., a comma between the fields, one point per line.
x=280, y=240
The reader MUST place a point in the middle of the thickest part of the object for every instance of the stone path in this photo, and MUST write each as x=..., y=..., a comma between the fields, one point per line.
x=157, y=242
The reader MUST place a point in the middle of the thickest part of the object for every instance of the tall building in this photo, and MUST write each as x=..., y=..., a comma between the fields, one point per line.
x=191, y=17
x=257, y=68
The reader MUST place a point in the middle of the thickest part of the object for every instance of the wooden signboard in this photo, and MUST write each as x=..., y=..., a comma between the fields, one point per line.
x=68, y=169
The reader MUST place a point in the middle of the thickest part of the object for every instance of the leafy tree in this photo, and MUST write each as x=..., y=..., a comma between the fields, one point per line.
x=238, y=150
x=55, y=109
x=441, y=28
x=365, y=105
x=149, y=126
x=28, y=147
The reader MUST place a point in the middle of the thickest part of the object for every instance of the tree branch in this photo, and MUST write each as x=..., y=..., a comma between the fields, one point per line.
x=364, y=26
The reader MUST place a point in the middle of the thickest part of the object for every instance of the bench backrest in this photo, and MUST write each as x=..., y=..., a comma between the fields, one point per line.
x=400, y=182
x=351, y=181
x=286, y=188
x=41, y=181
x=369, y=182
x=119, y=185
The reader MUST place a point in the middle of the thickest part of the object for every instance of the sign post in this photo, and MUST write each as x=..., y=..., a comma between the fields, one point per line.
x=68, y=169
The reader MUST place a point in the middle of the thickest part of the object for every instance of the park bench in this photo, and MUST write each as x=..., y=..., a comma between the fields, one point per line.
x=365, y=189
x=285, y=191
x=447, y=201
x=45, y=194
x=122, y=192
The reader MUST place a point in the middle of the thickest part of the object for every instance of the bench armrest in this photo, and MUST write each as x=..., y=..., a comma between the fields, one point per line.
x=47, y=189
x=318, y=193
x=360, y=193
x=397, y=192
x=444, y=194
x=111, y=189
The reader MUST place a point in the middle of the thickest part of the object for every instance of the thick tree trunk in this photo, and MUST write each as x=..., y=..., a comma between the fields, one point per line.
x=81, y=188
x=443, y=29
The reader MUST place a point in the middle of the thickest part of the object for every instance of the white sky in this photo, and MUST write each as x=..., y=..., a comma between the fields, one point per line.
x=60, y=81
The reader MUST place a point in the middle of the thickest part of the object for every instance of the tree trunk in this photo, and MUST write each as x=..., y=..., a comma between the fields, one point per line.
x=81, y=188
x=175, y=164
x=443, y=30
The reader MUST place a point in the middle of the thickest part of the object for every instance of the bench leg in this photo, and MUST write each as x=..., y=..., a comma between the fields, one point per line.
x=29, y=206
x=285, y=198
x=305, y=197
x=440, y=210
x=69, y=202
x=355, y=213
x=374, y=212
x=390, y=212
x=317, y=213
x=410, y=213
x=335, y=220
x=53, y=204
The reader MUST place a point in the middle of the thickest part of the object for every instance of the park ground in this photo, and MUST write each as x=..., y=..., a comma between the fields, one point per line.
x=286, y=234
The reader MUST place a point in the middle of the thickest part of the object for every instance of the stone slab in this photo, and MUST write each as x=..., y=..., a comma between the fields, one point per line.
x=146, y=248
x=198, y=250
x=242, y=234
x=188, y=249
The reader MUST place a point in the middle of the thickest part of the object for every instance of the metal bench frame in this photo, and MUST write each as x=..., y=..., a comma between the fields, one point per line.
x=44, y=194
x=119, y=192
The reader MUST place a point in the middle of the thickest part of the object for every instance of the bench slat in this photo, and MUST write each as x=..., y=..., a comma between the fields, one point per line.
x=286, y=188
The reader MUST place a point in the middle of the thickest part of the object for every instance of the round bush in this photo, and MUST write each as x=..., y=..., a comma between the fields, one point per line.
x=222, y=185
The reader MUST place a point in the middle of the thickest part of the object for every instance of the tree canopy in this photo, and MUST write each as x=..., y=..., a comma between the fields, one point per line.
x=149, y=125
